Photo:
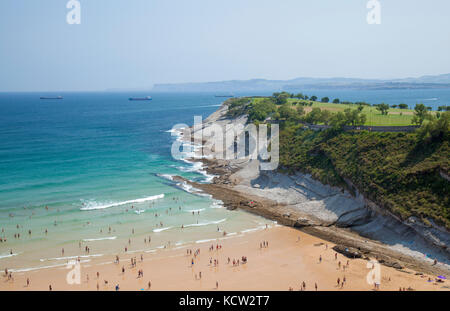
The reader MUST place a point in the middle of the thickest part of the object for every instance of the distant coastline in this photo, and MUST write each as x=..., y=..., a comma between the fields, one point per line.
x=255, y=85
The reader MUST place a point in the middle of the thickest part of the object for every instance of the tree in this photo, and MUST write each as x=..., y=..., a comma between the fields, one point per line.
x=444, y=108
x=436, y=128
x=315, y=116
x=338, y=120
x=403, y=106
x=420, y=114
x=300, y=96
x=261, y=110
x=383, y=108
x=300, y=110
x=314, y=98
x=281, y=98
x=393, y=106
x=325, y=116
x=354, y=117
x=287, y=113
x=336, y=101
x=325, y=100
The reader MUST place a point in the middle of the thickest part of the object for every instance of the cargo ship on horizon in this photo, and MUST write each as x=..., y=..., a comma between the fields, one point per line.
x=140, y=98
x=49, y=97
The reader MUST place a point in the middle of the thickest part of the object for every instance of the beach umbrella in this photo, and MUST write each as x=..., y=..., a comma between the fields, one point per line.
x=442, y=277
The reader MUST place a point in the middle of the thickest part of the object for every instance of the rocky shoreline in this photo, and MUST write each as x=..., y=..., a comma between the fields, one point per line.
x=302, y=203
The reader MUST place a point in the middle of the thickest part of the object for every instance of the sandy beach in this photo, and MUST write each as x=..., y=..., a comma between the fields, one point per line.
x=291, y=258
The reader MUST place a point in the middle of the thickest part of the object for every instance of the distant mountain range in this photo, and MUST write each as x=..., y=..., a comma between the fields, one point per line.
x=424, y=82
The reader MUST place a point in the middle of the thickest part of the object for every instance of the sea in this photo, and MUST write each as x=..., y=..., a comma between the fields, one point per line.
x=95, y=169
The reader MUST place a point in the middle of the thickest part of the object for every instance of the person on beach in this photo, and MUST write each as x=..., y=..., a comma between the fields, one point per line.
x=320, y=258
x=28, y=282
x=149, y=284
x=315, y=286
x=50, y=287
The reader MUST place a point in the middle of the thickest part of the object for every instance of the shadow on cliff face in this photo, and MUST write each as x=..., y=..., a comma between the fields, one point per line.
x=341, y=209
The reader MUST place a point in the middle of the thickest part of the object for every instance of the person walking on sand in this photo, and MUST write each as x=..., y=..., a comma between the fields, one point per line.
x=315, y=286
x=217, y=284
x=149, y=284
x=28, y=282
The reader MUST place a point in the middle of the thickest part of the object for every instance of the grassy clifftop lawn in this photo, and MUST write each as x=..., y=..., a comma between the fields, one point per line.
x=405, y=173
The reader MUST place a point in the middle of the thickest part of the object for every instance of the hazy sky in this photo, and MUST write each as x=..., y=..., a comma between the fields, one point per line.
x=136, y=43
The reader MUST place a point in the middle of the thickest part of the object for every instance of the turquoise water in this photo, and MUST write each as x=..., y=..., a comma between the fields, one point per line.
x=96, y=161
x=92, y=159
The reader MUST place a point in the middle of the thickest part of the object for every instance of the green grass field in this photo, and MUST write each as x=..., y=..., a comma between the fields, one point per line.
x=395, y=116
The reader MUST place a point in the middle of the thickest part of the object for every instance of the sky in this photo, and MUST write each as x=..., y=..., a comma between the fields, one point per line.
x=133, y=44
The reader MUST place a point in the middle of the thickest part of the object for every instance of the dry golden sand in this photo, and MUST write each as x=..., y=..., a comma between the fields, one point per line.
x=285, y=263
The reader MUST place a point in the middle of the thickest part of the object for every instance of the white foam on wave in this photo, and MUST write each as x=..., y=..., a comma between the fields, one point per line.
x=96, y=206
x=140, y=211
x=8, y=255
x=166, y=176
x=70, y=257
x=188, y=188
x=206, y=195
x=217, y=204
x=161, y=229
x=100, y=239
x=253, y=229
x=43, y=267
x=196, y=167
x=205, y=241
x=206, y=223
x=192, y=190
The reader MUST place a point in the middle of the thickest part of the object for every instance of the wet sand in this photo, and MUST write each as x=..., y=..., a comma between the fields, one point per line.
x=285, y=263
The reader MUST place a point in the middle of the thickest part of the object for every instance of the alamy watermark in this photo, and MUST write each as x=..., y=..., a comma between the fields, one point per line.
x=374, y=276
x=374, y=14
x=74, y=15
x=74, y=275
x=227, y=142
